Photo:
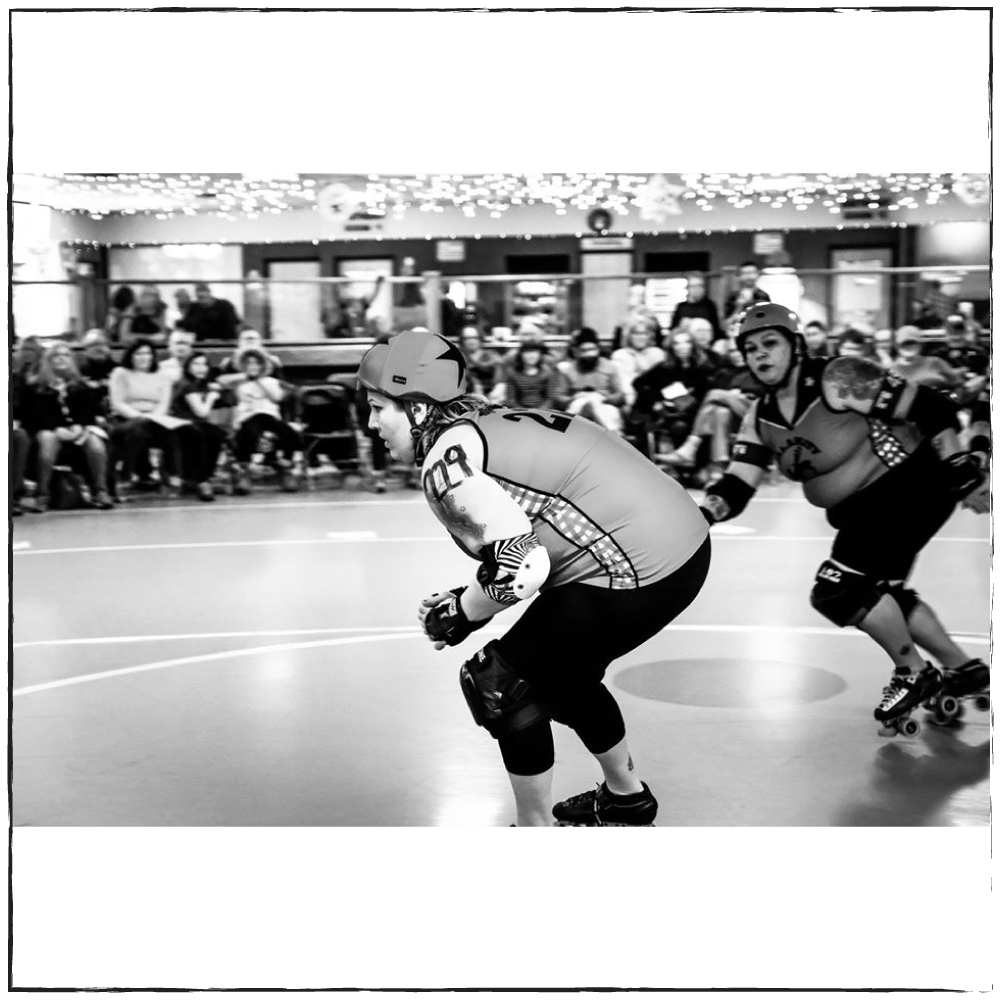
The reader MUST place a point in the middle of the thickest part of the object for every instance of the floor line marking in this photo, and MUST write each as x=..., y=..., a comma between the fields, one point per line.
x=352, y=538
x=275, y=633
x=144, y=508
x=230, y=654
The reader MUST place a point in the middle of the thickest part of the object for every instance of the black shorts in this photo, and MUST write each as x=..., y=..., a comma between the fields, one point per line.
x=882, y=528
x=570, y=635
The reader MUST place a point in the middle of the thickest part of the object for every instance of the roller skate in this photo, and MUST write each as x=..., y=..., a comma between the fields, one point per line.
x=904, y=693
x=602, y=808
x=969, y=681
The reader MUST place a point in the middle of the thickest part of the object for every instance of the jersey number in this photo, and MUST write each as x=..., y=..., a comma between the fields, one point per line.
x=554, y=421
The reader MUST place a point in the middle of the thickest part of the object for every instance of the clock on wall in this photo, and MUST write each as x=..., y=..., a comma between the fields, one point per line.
x=599, y=220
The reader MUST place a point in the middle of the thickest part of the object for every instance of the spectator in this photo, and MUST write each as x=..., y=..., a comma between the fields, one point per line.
x=348, y=316
x=27, y=359
x=817, y=342
x=182, y=303
x=637, y=356
x=258, y=411
x=61, y=410
x=589, y=385
x=248, y=339
x=884, y=343
x=20, y=446
x=180, y=344
x=704, y=336
x=724, y=406
x=209, y=318
x=638, y=313
x=912, y=365
x=528, y=380
x=923, y=317
x=853, y=344
x=747, y=292
x=482, y=365
x=121, y=309
x=140, y=397
x=96, y=361
x=697, y=305
x=671, y=392
x=195, y=396
x=148, y=318
x=967, y=358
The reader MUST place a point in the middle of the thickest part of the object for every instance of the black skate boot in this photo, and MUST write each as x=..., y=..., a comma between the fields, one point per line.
x=970, y=680
x=904, y=692
x=602, y=808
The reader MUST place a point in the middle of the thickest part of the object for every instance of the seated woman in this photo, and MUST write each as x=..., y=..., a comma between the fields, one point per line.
x=61, y=410
x=528, y=380
x=723, y=407
x=669, y=394
x=195, y=397
x=229, y=373
x=140, y=397
x=258, y=411
x=636, y=356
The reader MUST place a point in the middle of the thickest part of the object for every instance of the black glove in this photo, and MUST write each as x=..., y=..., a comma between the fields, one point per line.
x=963, y=474
x=446, y=622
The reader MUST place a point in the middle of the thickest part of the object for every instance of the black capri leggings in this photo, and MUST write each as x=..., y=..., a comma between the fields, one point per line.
x=564, y=643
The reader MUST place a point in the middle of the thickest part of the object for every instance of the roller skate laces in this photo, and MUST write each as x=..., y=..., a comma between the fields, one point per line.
x=905, y=691
x=602, y=808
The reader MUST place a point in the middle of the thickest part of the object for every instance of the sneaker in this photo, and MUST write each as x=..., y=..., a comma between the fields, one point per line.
x=37, y=504
x=677, y=460
x=970, y=678
x=602, y=808
x=103, y=500
x=906, y=691
x=242, y=487
x=289, y=481
x=205, y=492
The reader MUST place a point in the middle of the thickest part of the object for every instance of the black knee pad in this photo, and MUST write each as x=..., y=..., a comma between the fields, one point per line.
x=528, y=751
x=500, y=701
x=904, y=596
x=843, y=596
x=592, y=713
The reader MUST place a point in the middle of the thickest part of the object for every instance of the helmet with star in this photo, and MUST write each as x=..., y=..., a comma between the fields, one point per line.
x=417, y=366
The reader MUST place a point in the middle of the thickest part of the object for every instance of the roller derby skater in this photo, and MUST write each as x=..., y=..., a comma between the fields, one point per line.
x=554, y=506
x=882, y=458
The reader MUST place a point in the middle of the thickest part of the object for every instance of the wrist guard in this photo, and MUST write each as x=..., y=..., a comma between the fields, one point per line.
x=726, y=498
x=447, y=622
x=963, y=474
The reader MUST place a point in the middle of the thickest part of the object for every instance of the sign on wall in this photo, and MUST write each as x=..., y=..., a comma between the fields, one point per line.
x=765, y=244
x=451, y=251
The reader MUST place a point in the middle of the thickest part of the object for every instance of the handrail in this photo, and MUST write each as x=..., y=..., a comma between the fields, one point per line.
x=951, y=269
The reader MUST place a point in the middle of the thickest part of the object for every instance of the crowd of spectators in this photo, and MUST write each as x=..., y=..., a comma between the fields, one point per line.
x=161, y=415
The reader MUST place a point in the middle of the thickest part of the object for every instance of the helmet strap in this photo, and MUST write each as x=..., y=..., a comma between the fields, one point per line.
x=416, y=431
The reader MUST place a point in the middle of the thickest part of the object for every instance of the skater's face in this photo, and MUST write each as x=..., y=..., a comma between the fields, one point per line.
x=768, y=355
x=393, y=426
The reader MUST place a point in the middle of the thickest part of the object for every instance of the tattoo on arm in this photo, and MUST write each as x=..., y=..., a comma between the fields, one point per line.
x=631, y=766
x=853, y=378
x=456, y=518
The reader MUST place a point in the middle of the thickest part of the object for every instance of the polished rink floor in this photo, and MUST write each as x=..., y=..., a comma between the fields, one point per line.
x=257, y=663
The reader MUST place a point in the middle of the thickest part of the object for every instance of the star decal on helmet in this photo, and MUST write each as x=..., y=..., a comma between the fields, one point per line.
x=454, y=354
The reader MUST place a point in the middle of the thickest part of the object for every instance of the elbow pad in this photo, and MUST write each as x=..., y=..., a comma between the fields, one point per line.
x=513, y=569
x=725, y=498
x=933, y=411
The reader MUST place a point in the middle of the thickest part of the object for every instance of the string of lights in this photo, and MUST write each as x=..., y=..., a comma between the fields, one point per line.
x=237, y=196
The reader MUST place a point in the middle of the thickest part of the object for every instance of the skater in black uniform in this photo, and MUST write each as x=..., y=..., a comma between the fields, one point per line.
x=882, y=457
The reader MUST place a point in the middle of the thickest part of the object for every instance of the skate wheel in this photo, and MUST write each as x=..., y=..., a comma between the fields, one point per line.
x=909, y=727
x=948, y=706
x=982, y=702
x=887, y=732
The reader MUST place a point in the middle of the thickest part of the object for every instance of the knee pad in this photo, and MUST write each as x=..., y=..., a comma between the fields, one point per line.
x=904, y=596
x=592, y=713
x=842, y=595
x=500, y=701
